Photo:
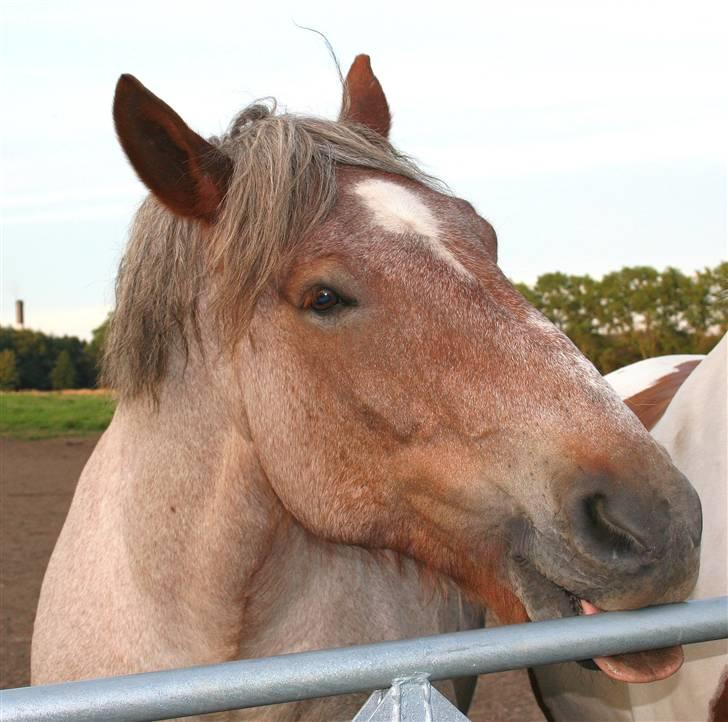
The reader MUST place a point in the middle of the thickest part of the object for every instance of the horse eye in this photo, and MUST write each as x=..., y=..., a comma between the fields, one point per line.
x=324, y=299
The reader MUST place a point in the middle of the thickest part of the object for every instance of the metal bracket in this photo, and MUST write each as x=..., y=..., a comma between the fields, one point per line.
x=410, y=699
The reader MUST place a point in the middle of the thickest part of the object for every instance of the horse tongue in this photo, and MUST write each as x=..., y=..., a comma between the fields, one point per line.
x=637, y=666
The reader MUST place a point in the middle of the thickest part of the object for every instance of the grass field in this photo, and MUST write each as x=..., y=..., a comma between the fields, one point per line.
x=41, y=415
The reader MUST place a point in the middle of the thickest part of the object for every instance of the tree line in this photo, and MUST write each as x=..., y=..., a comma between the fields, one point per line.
x=636, y=313
x=628, y=315
x=35, y=360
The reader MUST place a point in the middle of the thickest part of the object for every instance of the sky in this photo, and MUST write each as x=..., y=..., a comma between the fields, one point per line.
x=591, y=135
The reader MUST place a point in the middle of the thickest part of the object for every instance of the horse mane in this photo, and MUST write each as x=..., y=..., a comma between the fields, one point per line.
x=282, y=186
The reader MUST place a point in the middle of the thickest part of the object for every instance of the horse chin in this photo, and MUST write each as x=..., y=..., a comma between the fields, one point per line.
x=544, y=599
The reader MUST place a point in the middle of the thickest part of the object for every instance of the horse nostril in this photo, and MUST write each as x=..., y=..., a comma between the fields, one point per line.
x=629, y=526
x=614, y=524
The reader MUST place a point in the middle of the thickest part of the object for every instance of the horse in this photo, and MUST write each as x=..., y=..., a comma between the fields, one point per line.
x=335, y=415
x=693, y=428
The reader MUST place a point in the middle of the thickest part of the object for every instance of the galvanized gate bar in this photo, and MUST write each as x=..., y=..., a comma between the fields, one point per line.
x=255, y=682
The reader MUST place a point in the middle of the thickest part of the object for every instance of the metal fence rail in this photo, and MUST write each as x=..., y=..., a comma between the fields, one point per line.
x=293, y=677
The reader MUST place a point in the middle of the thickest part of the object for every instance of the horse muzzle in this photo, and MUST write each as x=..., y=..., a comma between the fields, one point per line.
x=611, y=548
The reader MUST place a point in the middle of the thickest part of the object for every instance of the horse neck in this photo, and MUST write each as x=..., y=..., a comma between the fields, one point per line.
x=312, y=594
x=207, y=536
x=194, y=508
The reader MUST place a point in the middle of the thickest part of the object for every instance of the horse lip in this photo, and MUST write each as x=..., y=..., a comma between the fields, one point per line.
x=574, y=608
x=530, y=585
x=526, y=573
x=574, y=599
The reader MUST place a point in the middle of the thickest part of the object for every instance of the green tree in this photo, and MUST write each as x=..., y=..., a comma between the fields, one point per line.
x=629, y=306
x=708, y=313
x=32, y=357
x=77, y=350
x=63, y=375
x=36, y=354
x=636, y=312
x=9, y=376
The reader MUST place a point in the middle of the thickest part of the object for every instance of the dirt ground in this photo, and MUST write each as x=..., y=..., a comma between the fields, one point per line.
x=37, y=479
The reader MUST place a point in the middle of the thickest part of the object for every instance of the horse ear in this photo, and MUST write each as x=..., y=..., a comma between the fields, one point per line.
x=186, y=173
x=364, y=101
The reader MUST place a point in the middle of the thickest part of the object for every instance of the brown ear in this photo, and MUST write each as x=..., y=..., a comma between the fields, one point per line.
x=181, y=168
x=364, y=101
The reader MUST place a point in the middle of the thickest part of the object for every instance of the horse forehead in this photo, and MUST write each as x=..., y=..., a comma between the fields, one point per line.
x=402, y=211
x=397, y=209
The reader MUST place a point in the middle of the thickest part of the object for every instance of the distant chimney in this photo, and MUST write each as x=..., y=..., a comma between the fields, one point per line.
x=19, y=315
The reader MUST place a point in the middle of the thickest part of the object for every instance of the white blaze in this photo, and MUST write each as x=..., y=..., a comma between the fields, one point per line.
x=399, y=210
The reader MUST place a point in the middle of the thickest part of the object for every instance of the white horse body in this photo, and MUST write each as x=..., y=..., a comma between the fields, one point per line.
x=693, y=430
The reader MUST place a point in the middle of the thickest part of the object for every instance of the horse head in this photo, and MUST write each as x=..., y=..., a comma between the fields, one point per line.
x=398, y=391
